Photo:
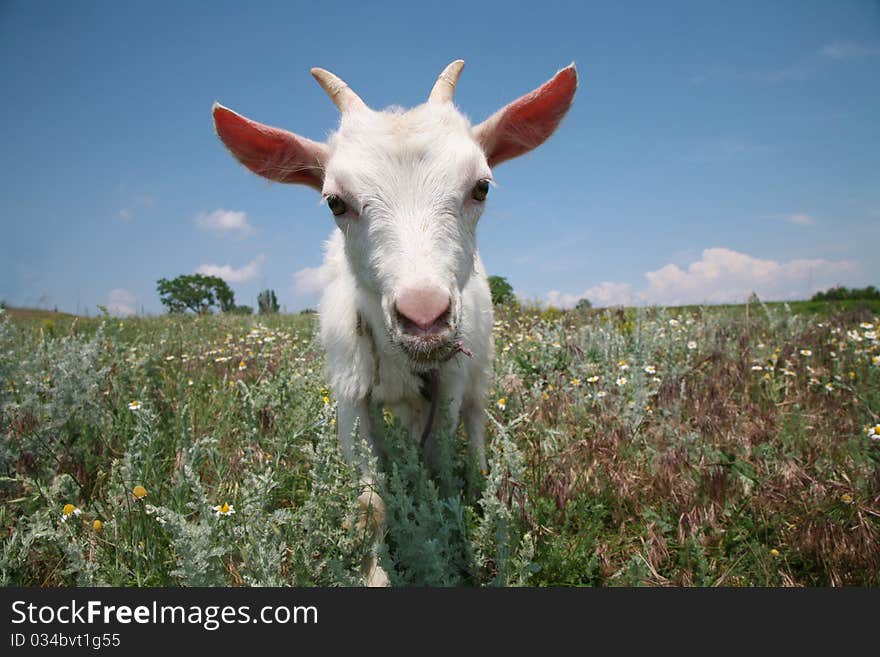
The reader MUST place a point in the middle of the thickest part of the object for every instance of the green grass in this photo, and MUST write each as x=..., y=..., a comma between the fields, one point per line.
x=690, y=446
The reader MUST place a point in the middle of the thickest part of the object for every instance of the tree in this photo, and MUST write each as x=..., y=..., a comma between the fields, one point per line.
x=502, y=291
x=583, y=304
x=841, y=293
x=195, y=292
x=267, y=302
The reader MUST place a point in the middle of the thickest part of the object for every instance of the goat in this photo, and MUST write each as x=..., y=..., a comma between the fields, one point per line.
x=406, y=312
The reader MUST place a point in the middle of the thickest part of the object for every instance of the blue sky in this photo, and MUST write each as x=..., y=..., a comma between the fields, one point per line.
x=714, y=148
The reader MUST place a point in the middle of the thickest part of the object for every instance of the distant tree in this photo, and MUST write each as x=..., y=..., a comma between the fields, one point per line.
x=502, y=291
x=840, y=293
x=583, y=304
x=195, y=292
x=242, y=310
x=267, y=302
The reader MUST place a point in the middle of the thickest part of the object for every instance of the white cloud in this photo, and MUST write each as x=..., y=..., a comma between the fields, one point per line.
x=847, y=50
x=605, y=294
x=719, y=276
x=126, y=214
x=308, y=281
x=222, y=222
x=121, y=302
x=800, y=219
x=231, y=275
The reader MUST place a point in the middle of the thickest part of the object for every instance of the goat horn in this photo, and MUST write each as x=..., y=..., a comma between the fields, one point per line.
x=444, y=88
x=340, y=93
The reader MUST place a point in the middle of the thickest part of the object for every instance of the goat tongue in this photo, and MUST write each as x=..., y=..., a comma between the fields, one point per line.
x=459, y=346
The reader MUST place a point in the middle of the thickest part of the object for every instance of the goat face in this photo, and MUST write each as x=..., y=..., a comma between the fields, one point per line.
x=406, y=189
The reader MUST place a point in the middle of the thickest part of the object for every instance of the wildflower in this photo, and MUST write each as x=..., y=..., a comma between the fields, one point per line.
x=873, y=432
x=623, y=365
x=621, y=381
x=556, y=345
x=325, y=399
x=846, y=498
x=870, y=335
x=601, y=394
x=593, y=378
x=69, y=510
x=656, y=379
x=692, y=345
x=829, y=386
x=134, y=405
x=650, y=369
x=242, y=365
x=757, y=368
x=139, y=492
x=875, y=360
x=501, y=403
x=171, y=357
x=97, y=526
x=806, y=352
x=673, y=322
x=224, y=509
x=575, y=382
x=774, y=553
x=866, y=325
x=189, y=382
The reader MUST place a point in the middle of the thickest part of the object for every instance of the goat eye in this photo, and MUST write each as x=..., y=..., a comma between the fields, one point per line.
x=481, y=190
x=337, y=205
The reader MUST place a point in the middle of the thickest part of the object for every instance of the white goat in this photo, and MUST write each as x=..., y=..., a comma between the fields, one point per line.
x=406, y=314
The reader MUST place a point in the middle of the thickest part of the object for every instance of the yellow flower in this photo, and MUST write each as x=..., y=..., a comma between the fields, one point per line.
x=575, y=382
x=326, y=399
x=97, y=526
x=242, y=365
x=139, y=492
x=774, y=552
x=846, y=498
x=134, y=405
x=68, y=511
x=224, y=509
x=501, y=403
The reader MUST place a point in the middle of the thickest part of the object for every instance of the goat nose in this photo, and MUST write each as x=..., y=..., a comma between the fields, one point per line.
x=423, y=307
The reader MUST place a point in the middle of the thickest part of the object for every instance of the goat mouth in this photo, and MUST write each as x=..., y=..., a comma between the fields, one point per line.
x=426, y=346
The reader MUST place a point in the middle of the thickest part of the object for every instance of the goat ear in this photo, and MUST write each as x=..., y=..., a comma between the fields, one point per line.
x=271, y=152
x=527, y=122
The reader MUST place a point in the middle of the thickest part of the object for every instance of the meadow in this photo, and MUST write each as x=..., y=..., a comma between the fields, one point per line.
x=701, y=446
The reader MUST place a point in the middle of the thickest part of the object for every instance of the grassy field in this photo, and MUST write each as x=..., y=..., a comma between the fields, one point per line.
x=695, y=446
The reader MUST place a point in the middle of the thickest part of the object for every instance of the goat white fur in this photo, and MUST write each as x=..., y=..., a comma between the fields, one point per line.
x=406, y=303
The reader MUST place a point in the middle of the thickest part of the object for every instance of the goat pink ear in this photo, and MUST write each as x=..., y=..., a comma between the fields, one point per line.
x=527, y=122
x=271, y=152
